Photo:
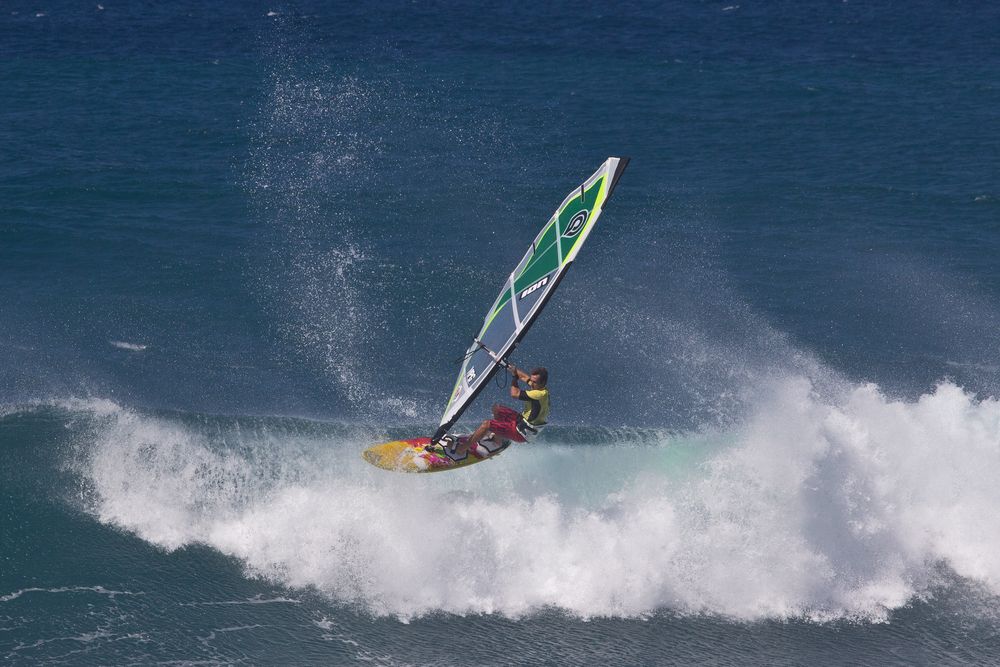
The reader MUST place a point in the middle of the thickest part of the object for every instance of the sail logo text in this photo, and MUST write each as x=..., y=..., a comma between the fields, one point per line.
x=531, y=288
x=576, y=223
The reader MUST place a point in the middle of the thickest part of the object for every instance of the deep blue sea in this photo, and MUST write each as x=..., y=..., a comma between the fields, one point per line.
x=241, y=242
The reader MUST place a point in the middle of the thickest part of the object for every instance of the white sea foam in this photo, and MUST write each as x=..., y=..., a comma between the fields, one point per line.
x=811, y=508
x=99, y=590
x=131, y=347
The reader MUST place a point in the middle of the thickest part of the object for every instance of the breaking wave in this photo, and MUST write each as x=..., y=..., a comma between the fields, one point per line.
x=811, y=508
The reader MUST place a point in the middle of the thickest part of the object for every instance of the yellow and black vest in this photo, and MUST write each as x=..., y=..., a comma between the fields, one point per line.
x=536, y=409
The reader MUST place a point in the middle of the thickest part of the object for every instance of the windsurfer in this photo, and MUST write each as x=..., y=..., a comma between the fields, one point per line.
x=508, y=424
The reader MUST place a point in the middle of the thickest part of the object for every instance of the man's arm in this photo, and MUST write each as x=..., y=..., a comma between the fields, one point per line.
x=518, y=373
x=515, y=391
x=520, y=394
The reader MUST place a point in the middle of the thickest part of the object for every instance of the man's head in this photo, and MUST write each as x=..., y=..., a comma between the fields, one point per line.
x=539, y=377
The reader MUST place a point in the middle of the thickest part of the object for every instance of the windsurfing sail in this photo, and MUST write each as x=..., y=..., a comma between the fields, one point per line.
x=530, y=285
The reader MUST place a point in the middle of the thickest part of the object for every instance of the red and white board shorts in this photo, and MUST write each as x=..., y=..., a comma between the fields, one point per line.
x=505, y=424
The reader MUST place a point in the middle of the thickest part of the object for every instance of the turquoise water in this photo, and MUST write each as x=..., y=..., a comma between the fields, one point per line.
x=239, y=245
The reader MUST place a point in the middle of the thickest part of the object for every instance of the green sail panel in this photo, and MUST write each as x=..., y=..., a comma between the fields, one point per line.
x=530, y=285
x=550, y=249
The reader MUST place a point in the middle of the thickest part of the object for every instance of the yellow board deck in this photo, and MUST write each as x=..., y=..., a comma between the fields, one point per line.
x=410, y=456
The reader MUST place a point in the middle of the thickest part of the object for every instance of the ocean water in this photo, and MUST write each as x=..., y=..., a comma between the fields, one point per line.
x=241, y=242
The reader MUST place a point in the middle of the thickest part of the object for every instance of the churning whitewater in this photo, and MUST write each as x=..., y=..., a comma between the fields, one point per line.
x=811, y=507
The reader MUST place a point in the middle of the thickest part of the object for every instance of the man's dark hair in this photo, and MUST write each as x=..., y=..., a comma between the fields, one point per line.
x=543, y=375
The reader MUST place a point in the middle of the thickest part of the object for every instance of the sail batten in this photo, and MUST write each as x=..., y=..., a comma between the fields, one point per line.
x=531, y=284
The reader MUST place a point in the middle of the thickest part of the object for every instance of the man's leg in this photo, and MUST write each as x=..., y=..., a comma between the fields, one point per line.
x=462, y=447
x=503, y=413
